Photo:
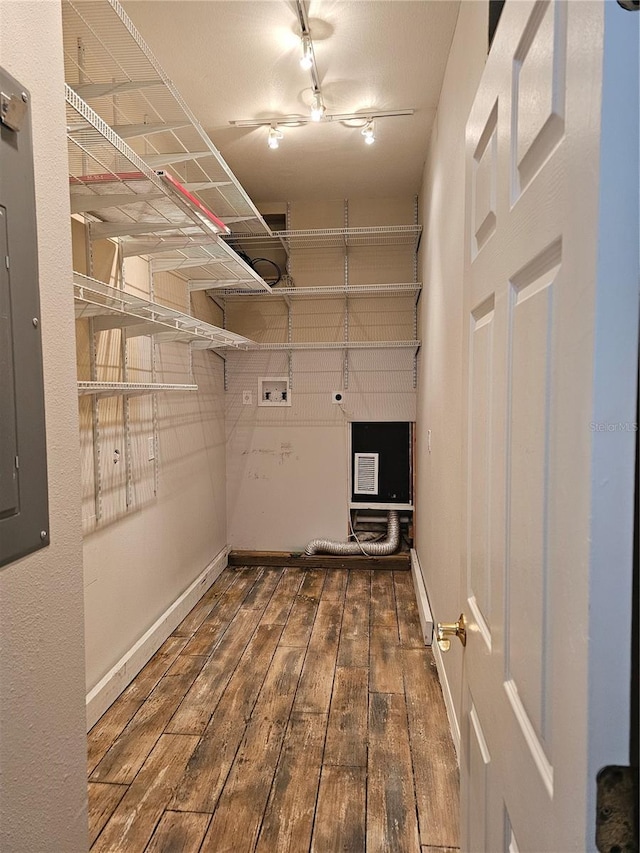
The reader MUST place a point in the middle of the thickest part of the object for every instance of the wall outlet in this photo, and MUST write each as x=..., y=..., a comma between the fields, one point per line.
x=151, y=449
x=337, y=397
x=247, y=398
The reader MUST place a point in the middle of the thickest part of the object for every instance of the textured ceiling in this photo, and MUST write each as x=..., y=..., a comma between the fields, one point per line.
x=232, y=59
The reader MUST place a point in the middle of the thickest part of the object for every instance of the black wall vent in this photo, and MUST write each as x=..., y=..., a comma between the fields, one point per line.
x=381, y=462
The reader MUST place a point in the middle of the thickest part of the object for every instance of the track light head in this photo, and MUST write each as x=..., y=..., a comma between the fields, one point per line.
x=369, y=133
x=317, y=107
x=306, y=60
x=275, y=135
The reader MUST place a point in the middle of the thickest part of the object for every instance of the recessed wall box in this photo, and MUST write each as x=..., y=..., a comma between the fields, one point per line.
x=381, y=472
x=274, y=391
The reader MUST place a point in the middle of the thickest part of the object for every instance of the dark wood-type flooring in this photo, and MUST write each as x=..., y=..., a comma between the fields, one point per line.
x=291, y=710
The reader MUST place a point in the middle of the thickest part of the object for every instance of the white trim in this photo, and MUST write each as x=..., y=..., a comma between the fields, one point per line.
x=426, y=621
x=454, y=725
x=114, y=682
x=387, y=506
x=424, y=611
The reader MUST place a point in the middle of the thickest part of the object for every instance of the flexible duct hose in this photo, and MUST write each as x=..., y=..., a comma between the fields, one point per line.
x=371, y=549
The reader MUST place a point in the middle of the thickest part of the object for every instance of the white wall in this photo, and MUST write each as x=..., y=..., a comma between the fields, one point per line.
x=438, y=516
x=137, y=566
x=140, y=557
x=288, y=467
x=42, y=715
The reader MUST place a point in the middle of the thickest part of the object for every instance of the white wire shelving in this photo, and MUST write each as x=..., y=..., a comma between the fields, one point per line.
x=340, y=238
x=125, y=121
x=109, y=65
x=363, y=291
x=113, y=308
x=130, y=389
x=332, y=291
x=338, y=345
x=112, y=185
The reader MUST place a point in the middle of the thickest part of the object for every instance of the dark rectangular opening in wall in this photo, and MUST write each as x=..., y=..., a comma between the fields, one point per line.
x=495, y=10
x=276, y=221
x=381, y=462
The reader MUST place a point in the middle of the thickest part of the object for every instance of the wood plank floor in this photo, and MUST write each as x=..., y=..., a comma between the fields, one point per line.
x=292, y=711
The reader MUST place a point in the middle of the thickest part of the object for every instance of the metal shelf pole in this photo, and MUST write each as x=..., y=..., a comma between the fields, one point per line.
x=345, y=357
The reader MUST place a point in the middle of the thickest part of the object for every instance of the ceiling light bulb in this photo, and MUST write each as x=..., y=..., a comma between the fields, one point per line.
x=306, y=60
x=317, y=107
x=368, y=133
x=273, y=140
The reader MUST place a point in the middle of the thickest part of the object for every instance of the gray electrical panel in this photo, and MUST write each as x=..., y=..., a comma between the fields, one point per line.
x=24, y=512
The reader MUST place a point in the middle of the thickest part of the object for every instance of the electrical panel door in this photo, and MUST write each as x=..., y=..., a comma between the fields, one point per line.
x=24, y=514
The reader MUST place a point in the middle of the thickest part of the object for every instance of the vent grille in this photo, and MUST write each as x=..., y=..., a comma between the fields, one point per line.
x=366, y=474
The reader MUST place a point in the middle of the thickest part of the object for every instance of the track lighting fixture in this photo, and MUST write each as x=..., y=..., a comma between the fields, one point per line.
x=275, y=135
x=306, y=60
x=317, y=110
x=368, y=133
x=317, y=107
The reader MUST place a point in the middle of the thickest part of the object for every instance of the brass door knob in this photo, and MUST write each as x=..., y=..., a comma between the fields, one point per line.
x=451, y=629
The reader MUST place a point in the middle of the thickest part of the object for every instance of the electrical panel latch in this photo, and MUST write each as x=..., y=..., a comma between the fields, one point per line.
x=13, y=110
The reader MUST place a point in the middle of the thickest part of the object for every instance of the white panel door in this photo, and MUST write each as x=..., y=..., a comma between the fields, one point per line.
x=532, y=196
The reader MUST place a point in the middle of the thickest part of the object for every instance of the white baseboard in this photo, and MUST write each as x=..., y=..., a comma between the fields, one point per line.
x=426, y=621
x=114, y=682
x=454, y=725
x=424, y=611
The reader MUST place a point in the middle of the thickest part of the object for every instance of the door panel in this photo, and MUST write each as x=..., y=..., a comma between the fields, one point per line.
x=532, y=144
x=479, y=761
x=479, y=467
x=538, y=91
x=510, y=843
x=485, y=181
x=530, y=395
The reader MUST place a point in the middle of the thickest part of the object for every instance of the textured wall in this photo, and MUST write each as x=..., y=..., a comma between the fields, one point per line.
x=42, y=714
x=438, y=527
